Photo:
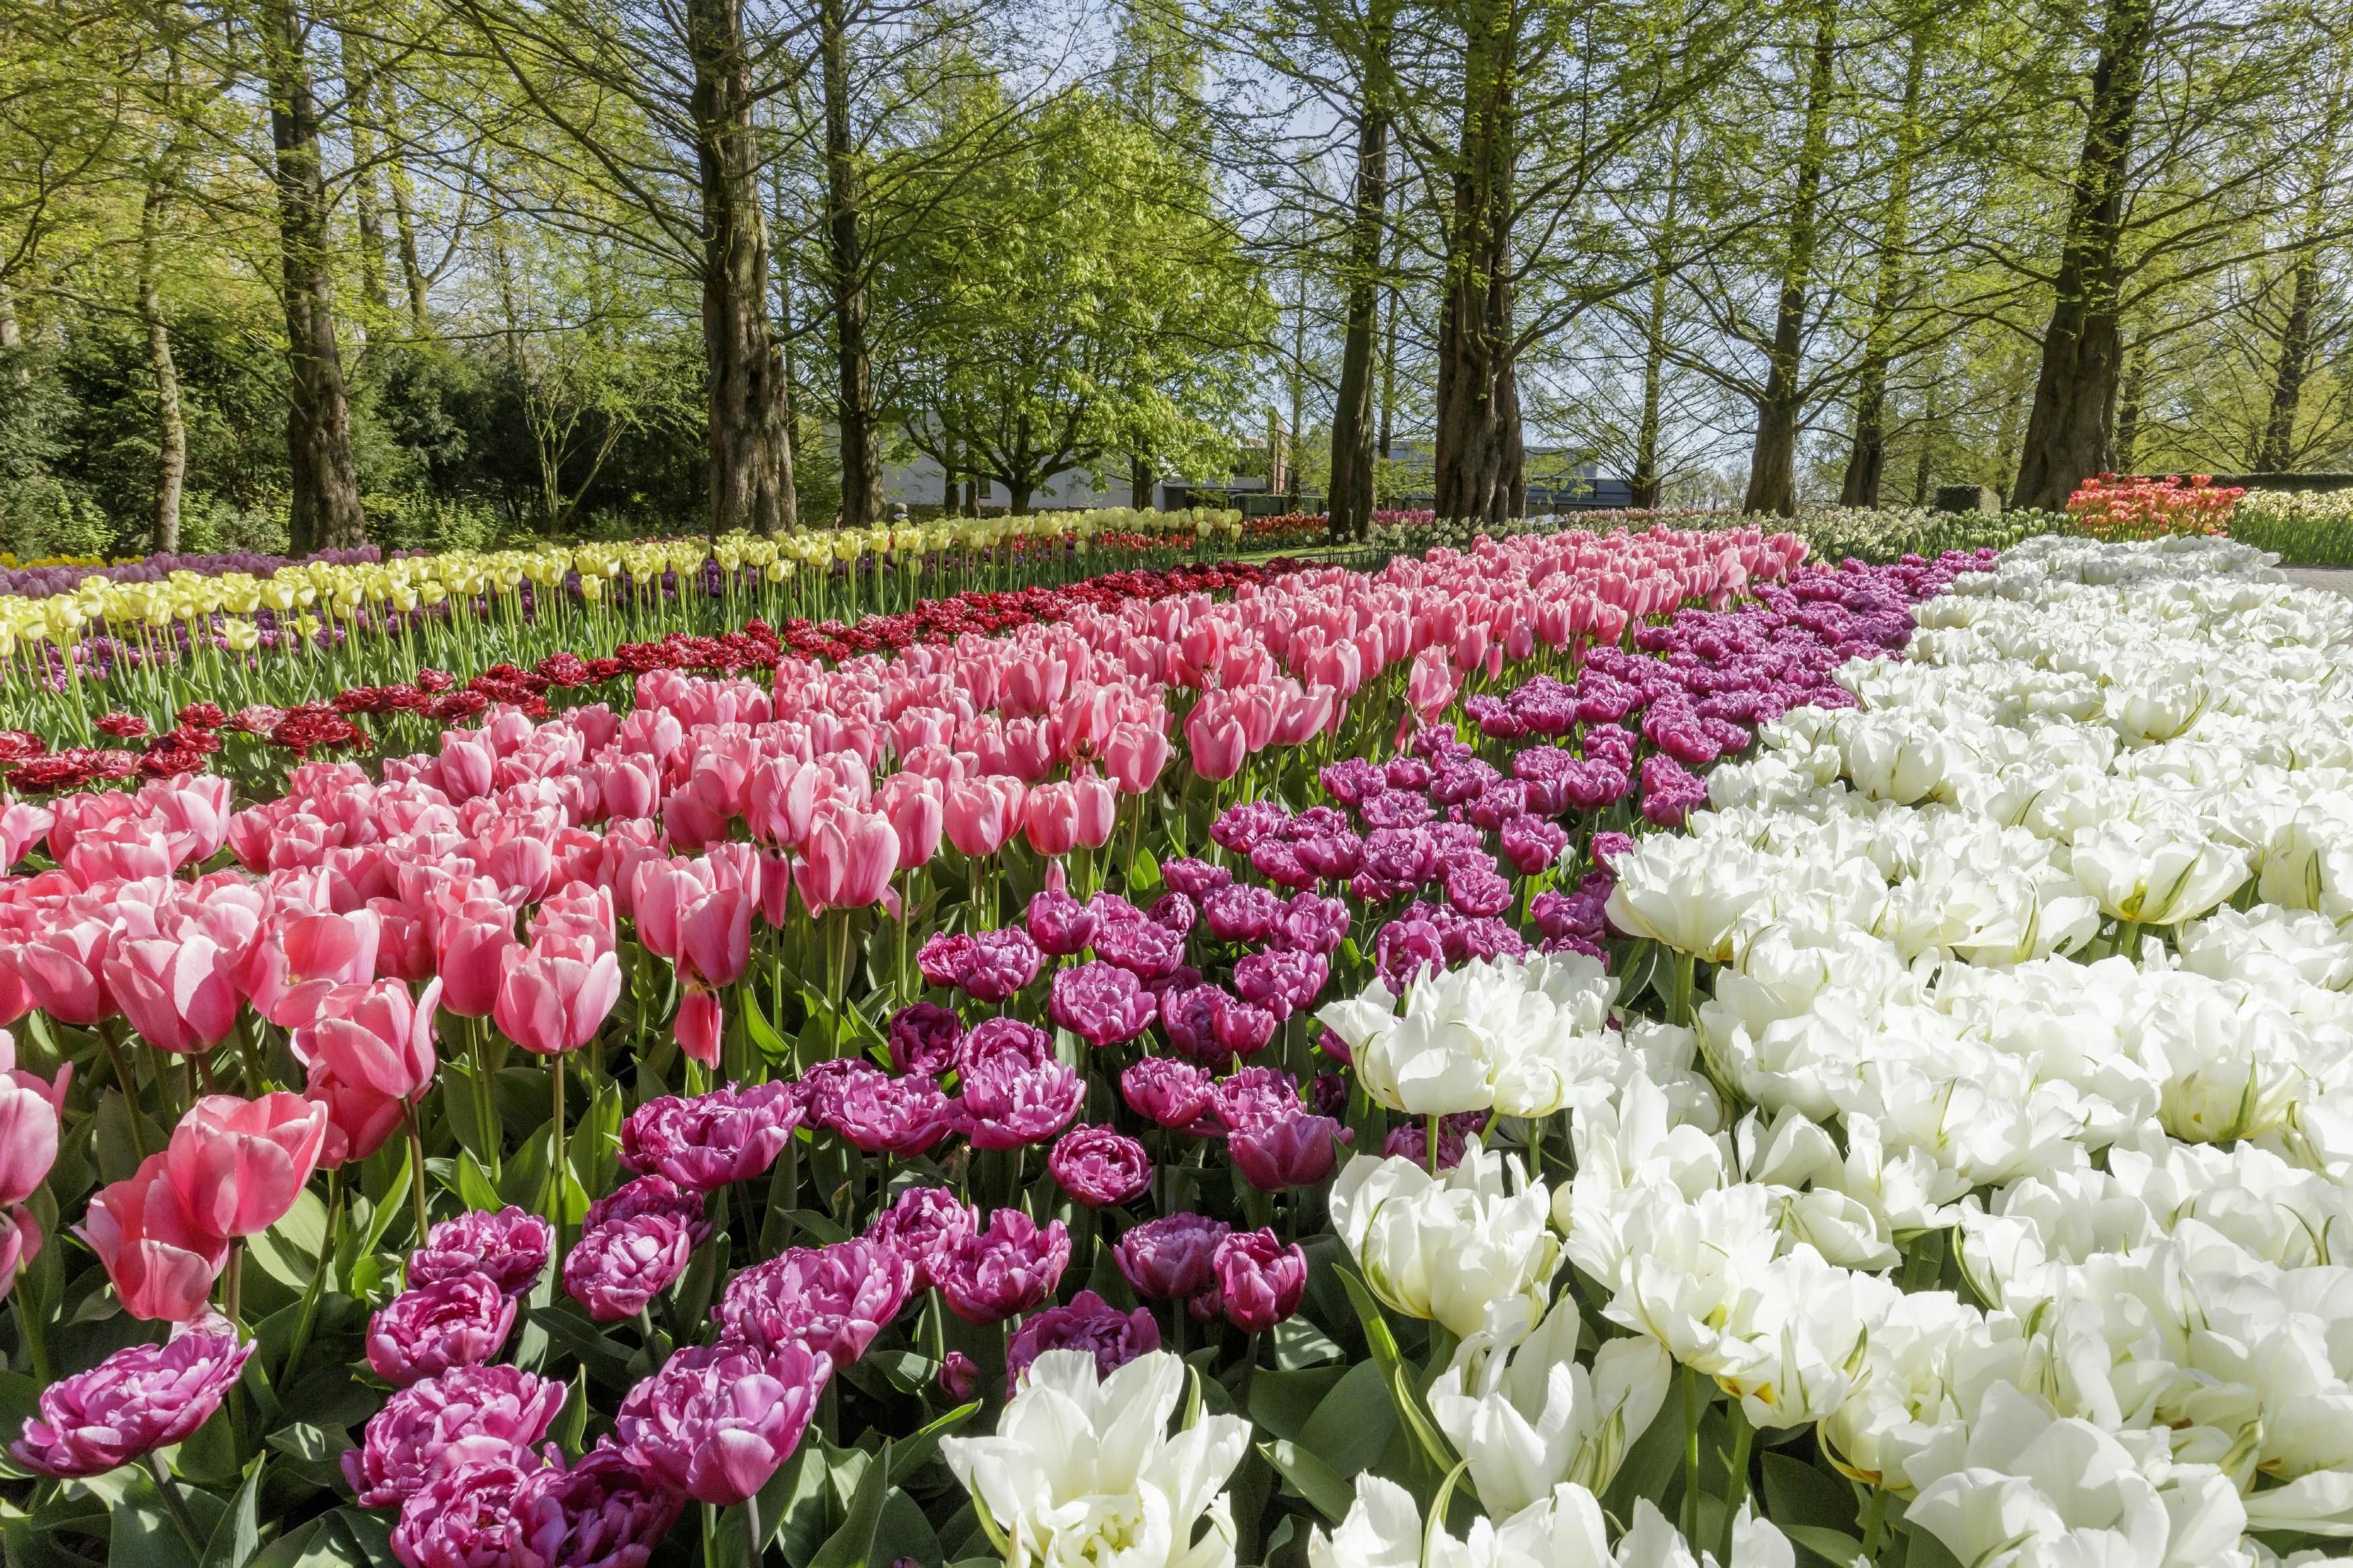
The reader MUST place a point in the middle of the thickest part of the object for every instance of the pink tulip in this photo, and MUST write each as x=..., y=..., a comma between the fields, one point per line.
x=701, y=1025
x=28, y=1136
x=696, y=916
x=983, y=813
x=374, y=1038
x=162, y=1261
x=1051, y=818
x=1096, y=803
x=555, y=993
x=63, y=969
x=578, y=910
x=1220, y=745
x=918, y=813
x=847, y=860
x=21, y=826
x=194, y=813
x=74, y=814
x=301, y=956
x=179, y=993
x=471, y=944
x=239, y=1164
x=1135, y=755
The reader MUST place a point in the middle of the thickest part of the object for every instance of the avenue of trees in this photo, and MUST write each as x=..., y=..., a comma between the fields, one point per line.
x=309, y=273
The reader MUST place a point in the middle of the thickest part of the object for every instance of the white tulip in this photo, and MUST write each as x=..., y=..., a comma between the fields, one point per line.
x=1083, y=1472
x=1516, y=1405
x=1687, y=893
x=2155, y=876
x=1446, y=1247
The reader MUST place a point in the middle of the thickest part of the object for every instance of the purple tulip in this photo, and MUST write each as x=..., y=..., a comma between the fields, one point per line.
x=1008, y=1268
x=1189, y=1017
x=511, y=1246
x=923, y=1037
x=1279, y=862
x=1145, y=949
x=1059, y=924
x=603, y=1512
x=1244, y=827
x=1099, y=1166
x=1194, y=878
x=1254, y=1095
x=1607, y=847
x=924, y=1226
x=141, y=1398
x=1241, y=1028
x=959, y=1378
x=1174, y=911
x=1007, y=1106
x=1670, y=794
x=463, y=1517
x=467, y=1414
x=901, y=1117
x=1004, y=1042
x=730, y=1134
x=1498, y=804
x=1171, y=1258
x=1292, y=1152
x=946, y=958
x=1109, y=909
x=615, y=1269
x=1406, y=949
x=1088, y=1323
x=1407, y=772
x=1282, y=983
x=1312, y=924
x=1259, y=1280
x=462, y=1320
x=719, y=1421
x=1168, y=1092
x=650, y=1195
x=823, y=1084
x=1240, y=913
x=1001, y=964
x=1102, y=1004
x=834, y=1300
x=1473, y=890
x=1533, y=842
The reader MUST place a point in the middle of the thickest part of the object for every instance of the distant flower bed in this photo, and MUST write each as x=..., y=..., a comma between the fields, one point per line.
x=2302, y=529
x=2106, y=507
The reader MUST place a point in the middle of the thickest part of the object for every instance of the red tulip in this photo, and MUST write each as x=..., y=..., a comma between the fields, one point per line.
x=162, y=1261
x=239, y=1164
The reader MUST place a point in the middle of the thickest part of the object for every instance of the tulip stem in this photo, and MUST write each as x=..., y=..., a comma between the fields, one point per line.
x=233, y=1284
x=301, y=1339
x=123, y=1081
x=417, y=1170
x=1743, y=1434
x=35, y=1336
x=257, y=1081
x=1430, y=1142
x=174, y=1504
x=751, y=1527
x=556, y=1161
x=1691, y=1453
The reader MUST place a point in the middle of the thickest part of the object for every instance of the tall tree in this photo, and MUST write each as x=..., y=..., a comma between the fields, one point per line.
x=325, y=512
x=1867, y=454
x=1353, y=436
x=861, y=451
x=1773, y=461
x=2068, y=431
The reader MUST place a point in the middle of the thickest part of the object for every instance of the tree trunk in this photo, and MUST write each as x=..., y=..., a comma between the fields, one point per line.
x=1141, y=482
x=862, y=458
x=1643, y=488
x=751, y=449
x=2277, y=453
x=403, y=211
x=1866, y=460
x=171, y=431
x=1920, y=465
x=1480, y=462
x=326, y=512
x=1773, y=464
x=2083, y=348
x=359, y=82
x=1351, y=488
x=2126, y=452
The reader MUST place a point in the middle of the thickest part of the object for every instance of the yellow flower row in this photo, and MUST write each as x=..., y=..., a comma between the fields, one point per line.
x=345, y=592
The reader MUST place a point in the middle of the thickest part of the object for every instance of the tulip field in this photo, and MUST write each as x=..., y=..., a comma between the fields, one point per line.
x=1587, y=1050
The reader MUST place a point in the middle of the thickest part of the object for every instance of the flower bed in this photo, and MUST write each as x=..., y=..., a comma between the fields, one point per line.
x=2106, y=507
x=1214, y=1081
x=2302, y=529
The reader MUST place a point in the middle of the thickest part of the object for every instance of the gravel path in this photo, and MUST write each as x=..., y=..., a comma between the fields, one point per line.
x=2336, y=579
